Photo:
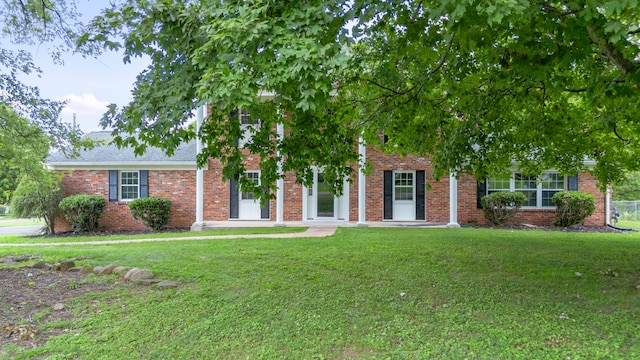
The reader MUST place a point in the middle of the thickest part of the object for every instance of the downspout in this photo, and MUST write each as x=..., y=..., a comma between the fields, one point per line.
x=607, y=206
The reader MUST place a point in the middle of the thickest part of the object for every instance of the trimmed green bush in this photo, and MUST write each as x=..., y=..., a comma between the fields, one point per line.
x=83, y=211
x=153, y=211
x=38, y=198
x=572, y=207
x=503, y=206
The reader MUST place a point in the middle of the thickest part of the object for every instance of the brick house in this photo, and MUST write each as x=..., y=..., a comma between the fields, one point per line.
x=395, y=191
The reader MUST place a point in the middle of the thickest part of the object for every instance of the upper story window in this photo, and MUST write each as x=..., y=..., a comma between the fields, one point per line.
x=248, y=126
x=538, y=191
x=129, y=185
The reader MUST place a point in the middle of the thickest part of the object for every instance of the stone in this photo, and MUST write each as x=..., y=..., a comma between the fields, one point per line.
x=97, y=269
x=127, y=276
x=148, y=282
x=121, y=270
x=56, y=266
x=58, y=307
x=107, y=270
x=39, y=265
x=142, y=274
x=66, y=265
x=86, y=269
x=75, y=269
x=168, y=283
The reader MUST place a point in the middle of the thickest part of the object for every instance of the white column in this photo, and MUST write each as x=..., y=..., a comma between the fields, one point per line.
x=453, y=202
x=362, y=184
x=280, y=183
x=199, y=224
x=607, y=206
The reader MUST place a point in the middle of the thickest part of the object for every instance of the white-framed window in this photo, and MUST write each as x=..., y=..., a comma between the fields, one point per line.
x=248, y=126
x=255, y=177
x=538, y=191
x=403, y=186
x=129, y=185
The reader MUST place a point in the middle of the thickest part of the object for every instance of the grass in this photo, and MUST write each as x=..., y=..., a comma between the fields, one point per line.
x=365, y=293
x=154, y=235
x=11, y=222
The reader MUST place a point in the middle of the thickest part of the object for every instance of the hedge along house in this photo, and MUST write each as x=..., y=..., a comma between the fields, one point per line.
x=395, y=191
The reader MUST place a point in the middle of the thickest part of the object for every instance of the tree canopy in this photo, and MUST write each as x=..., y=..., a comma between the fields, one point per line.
x=473, y=85
x=30, y=123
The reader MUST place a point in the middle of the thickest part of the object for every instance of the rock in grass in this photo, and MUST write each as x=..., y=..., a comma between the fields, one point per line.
x=141, y=274
x=168, y=283
x=127, y=276
x=121, y=270
x=107, y=270
x=97, y=269
x=39, y=265
x=66, y=265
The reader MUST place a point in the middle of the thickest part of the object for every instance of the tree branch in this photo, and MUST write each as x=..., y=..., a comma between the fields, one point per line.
x=625, y=66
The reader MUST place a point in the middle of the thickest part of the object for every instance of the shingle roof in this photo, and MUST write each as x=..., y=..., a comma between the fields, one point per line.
x=110, y=154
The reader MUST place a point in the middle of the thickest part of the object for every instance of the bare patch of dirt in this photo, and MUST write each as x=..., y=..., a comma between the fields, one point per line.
x=31, y=298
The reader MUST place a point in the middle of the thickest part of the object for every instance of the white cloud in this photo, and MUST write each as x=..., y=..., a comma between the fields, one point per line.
x=85, y=104
x=87, y=108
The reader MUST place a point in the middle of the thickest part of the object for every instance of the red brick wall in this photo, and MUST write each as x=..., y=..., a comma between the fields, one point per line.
x=178, y=186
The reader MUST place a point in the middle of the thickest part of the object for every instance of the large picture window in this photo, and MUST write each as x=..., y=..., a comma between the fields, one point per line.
x=129, y=185
x=538, y=191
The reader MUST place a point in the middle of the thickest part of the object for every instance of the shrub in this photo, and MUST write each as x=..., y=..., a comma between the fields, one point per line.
x=501, y=207
x=572, y=207
x=38, y=199
x=83, y=211
x=153, y=211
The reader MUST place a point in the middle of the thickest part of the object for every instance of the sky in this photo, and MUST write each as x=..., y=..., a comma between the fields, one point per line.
x=88, y=84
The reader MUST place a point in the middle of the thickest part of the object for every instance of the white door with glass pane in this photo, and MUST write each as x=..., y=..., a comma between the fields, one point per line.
x=320, y=204
x=404, y=195
x=249, y=207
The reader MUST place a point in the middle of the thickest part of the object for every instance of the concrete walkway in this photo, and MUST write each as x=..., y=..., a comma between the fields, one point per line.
x=312, y=231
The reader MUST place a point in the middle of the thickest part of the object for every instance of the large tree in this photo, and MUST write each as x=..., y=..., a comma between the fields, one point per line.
x=473, y=85
x=50, y=25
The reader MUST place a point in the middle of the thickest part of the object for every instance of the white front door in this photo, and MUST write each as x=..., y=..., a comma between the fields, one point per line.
x=320, y=204
x=404, y=195
x=249, y=207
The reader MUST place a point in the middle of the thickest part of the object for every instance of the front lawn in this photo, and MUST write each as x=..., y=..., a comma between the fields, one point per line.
x=364, y=293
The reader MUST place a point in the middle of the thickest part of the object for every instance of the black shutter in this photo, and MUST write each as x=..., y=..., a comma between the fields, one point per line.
x=234, y=200
x=573, y=182
x=233, y=116
x=264, y=213
x=388, y=195
x=113, y=185
x=482, y=191
x=144, y=183
x=420, y=195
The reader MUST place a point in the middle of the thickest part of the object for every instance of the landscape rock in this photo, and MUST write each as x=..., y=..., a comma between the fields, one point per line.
x=121, y=270
x=40, y=265
x=58, y=307
x=86, y=269
x=107, y=270
x=127, y=276
x=142, y=274
x=148, y=282
x=66, y=265
x=75, y=269
x=168, y=283
x=97, y=269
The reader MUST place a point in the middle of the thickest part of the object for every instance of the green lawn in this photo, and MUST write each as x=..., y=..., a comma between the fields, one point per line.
x=17, y=239
x=365, y=293
x=9, y=221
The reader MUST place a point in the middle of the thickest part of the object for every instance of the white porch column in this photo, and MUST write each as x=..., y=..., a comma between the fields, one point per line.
x=607, y=206
x=280, y=183
x=199, y=224
x=362, y=184
x=453, y=202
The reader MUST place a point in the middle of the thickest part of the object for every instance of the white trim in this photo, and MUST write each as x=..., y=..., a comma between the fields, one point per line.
x=120, y=185
x=169, y=165
x=453, y=201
